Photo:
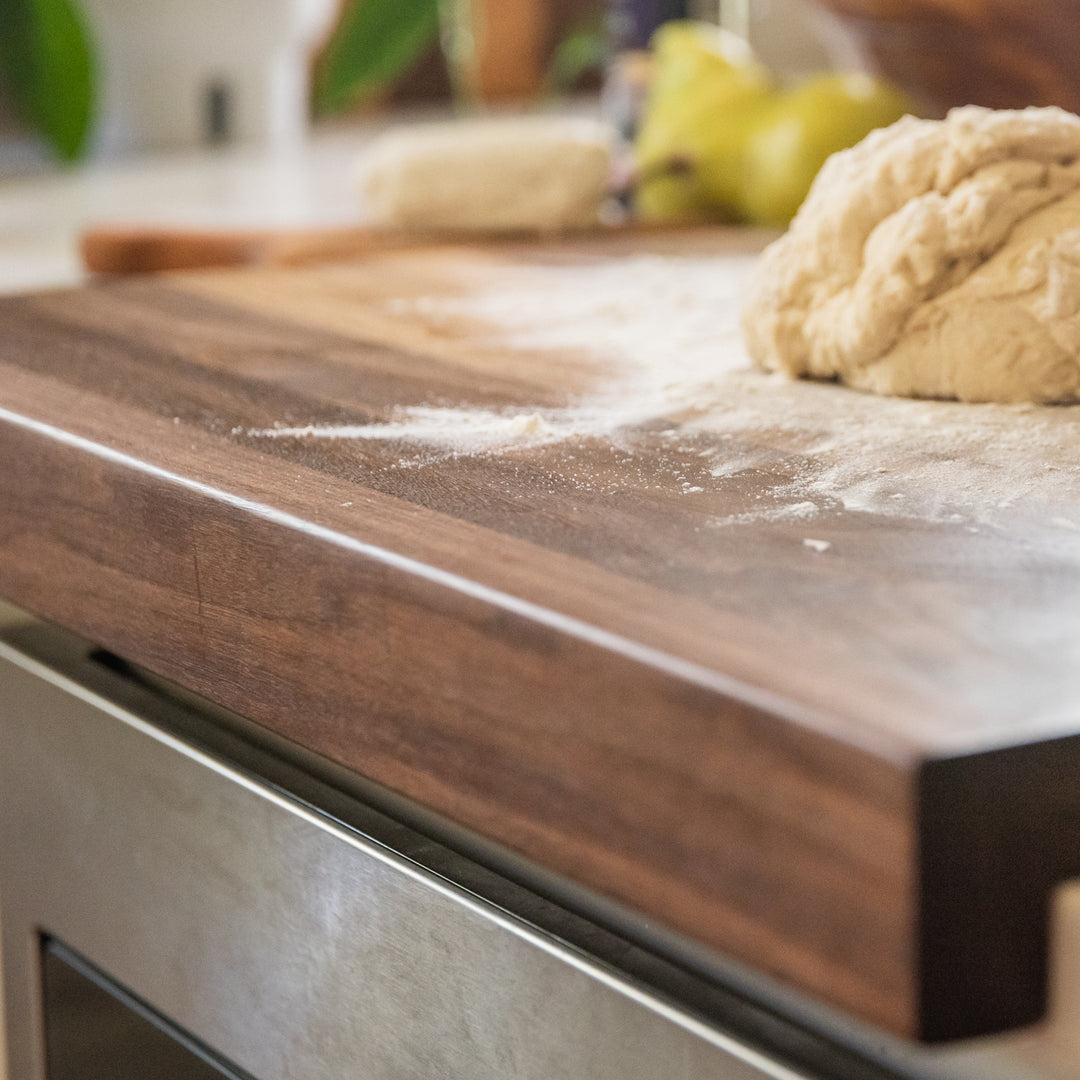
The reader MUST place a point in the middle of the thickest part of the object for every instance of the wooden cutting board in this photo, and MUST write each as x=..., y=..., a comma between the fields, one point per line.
x=515, y=532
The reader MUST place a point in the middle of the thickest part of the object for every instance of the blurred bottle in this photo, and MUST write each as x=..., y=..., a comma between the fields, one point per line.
x=495, y=48
x=631, y=23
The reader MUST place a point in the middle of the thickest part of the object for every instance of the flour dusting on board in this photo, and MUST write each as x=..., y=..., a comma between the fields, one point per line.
x=477, y=429
x=667, y=330
x=664, y=324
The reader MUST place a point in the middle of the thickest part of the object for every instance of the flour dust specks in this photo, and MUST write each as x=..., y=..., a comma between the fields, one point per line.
x=478, y=429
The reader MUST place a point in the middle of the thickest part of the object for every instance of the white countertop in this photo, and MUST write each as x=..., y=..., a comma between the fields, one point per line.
x=43, y=210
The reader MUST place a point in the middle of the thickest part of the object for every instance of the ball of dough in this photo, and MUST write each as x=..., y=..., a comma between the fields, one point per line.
x=935, y=259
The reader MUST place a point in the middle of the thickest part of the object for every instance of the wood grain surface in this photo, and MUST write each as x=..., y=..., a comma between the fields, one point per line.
x=842, y=749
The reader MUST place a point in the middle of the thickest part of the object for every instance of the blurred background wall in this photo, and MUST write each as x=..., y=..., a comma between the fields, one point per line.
x=173, y=72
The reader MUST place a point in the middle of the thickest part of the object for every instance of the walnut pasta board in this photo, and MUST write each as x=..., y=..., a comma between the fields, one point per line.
x=516, y=532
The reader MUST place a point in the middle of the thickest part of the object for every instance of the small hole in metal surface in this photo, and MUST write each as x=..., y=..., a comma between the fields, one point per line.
x=218, y=112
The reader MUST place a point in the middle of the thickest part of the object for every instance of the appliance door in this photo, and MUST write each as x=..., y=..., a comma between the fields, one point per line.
x=142, y=875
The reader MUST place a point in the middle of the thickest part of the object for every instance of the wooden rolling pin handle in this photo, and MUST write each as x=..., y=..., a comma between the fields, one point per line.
x=147, y=250
x=140, y=250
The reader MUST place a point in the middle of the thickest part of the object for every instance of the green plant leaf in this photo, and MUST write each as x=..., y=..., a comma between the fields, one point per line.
x=583, y=50
x=47, y=61
x=374, y=43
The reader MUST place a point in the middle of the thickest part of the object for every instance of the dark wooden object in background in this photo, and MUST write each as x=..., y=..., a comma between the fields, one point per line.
x=716, y=730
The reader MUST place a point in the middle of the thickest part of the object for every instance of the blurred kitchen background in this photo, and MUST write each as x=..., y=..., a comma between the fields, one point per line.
x=168, y=74
x=202, y=114
x=249, y=114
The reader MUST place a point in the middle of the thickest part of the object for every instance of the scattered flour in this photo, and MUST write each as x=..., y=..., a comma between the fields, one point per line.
x=665, y=331
x=652, y=320
x=478, y=429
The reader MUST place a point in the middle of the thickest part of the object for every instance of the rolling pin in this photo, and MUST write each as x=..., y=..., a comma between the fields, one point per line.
x=152, y=249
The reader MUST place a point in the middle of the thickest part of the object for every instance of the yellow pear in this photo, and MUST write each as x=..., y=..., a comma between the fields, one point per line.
x=706, y=88
x=800, y=129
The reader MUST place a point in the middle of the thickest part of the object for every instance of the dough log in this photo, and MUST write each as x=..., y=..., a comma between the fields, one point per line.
x=540, y=173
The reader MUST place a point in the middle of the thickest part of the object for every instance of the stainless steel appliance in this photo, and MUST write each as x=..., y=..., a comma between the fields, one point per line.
x=186, y=897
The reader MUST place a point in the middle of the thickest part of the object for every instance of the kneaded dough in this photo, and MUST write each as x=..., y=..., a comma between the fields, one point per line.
x=935, y=259
x=539, y=173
